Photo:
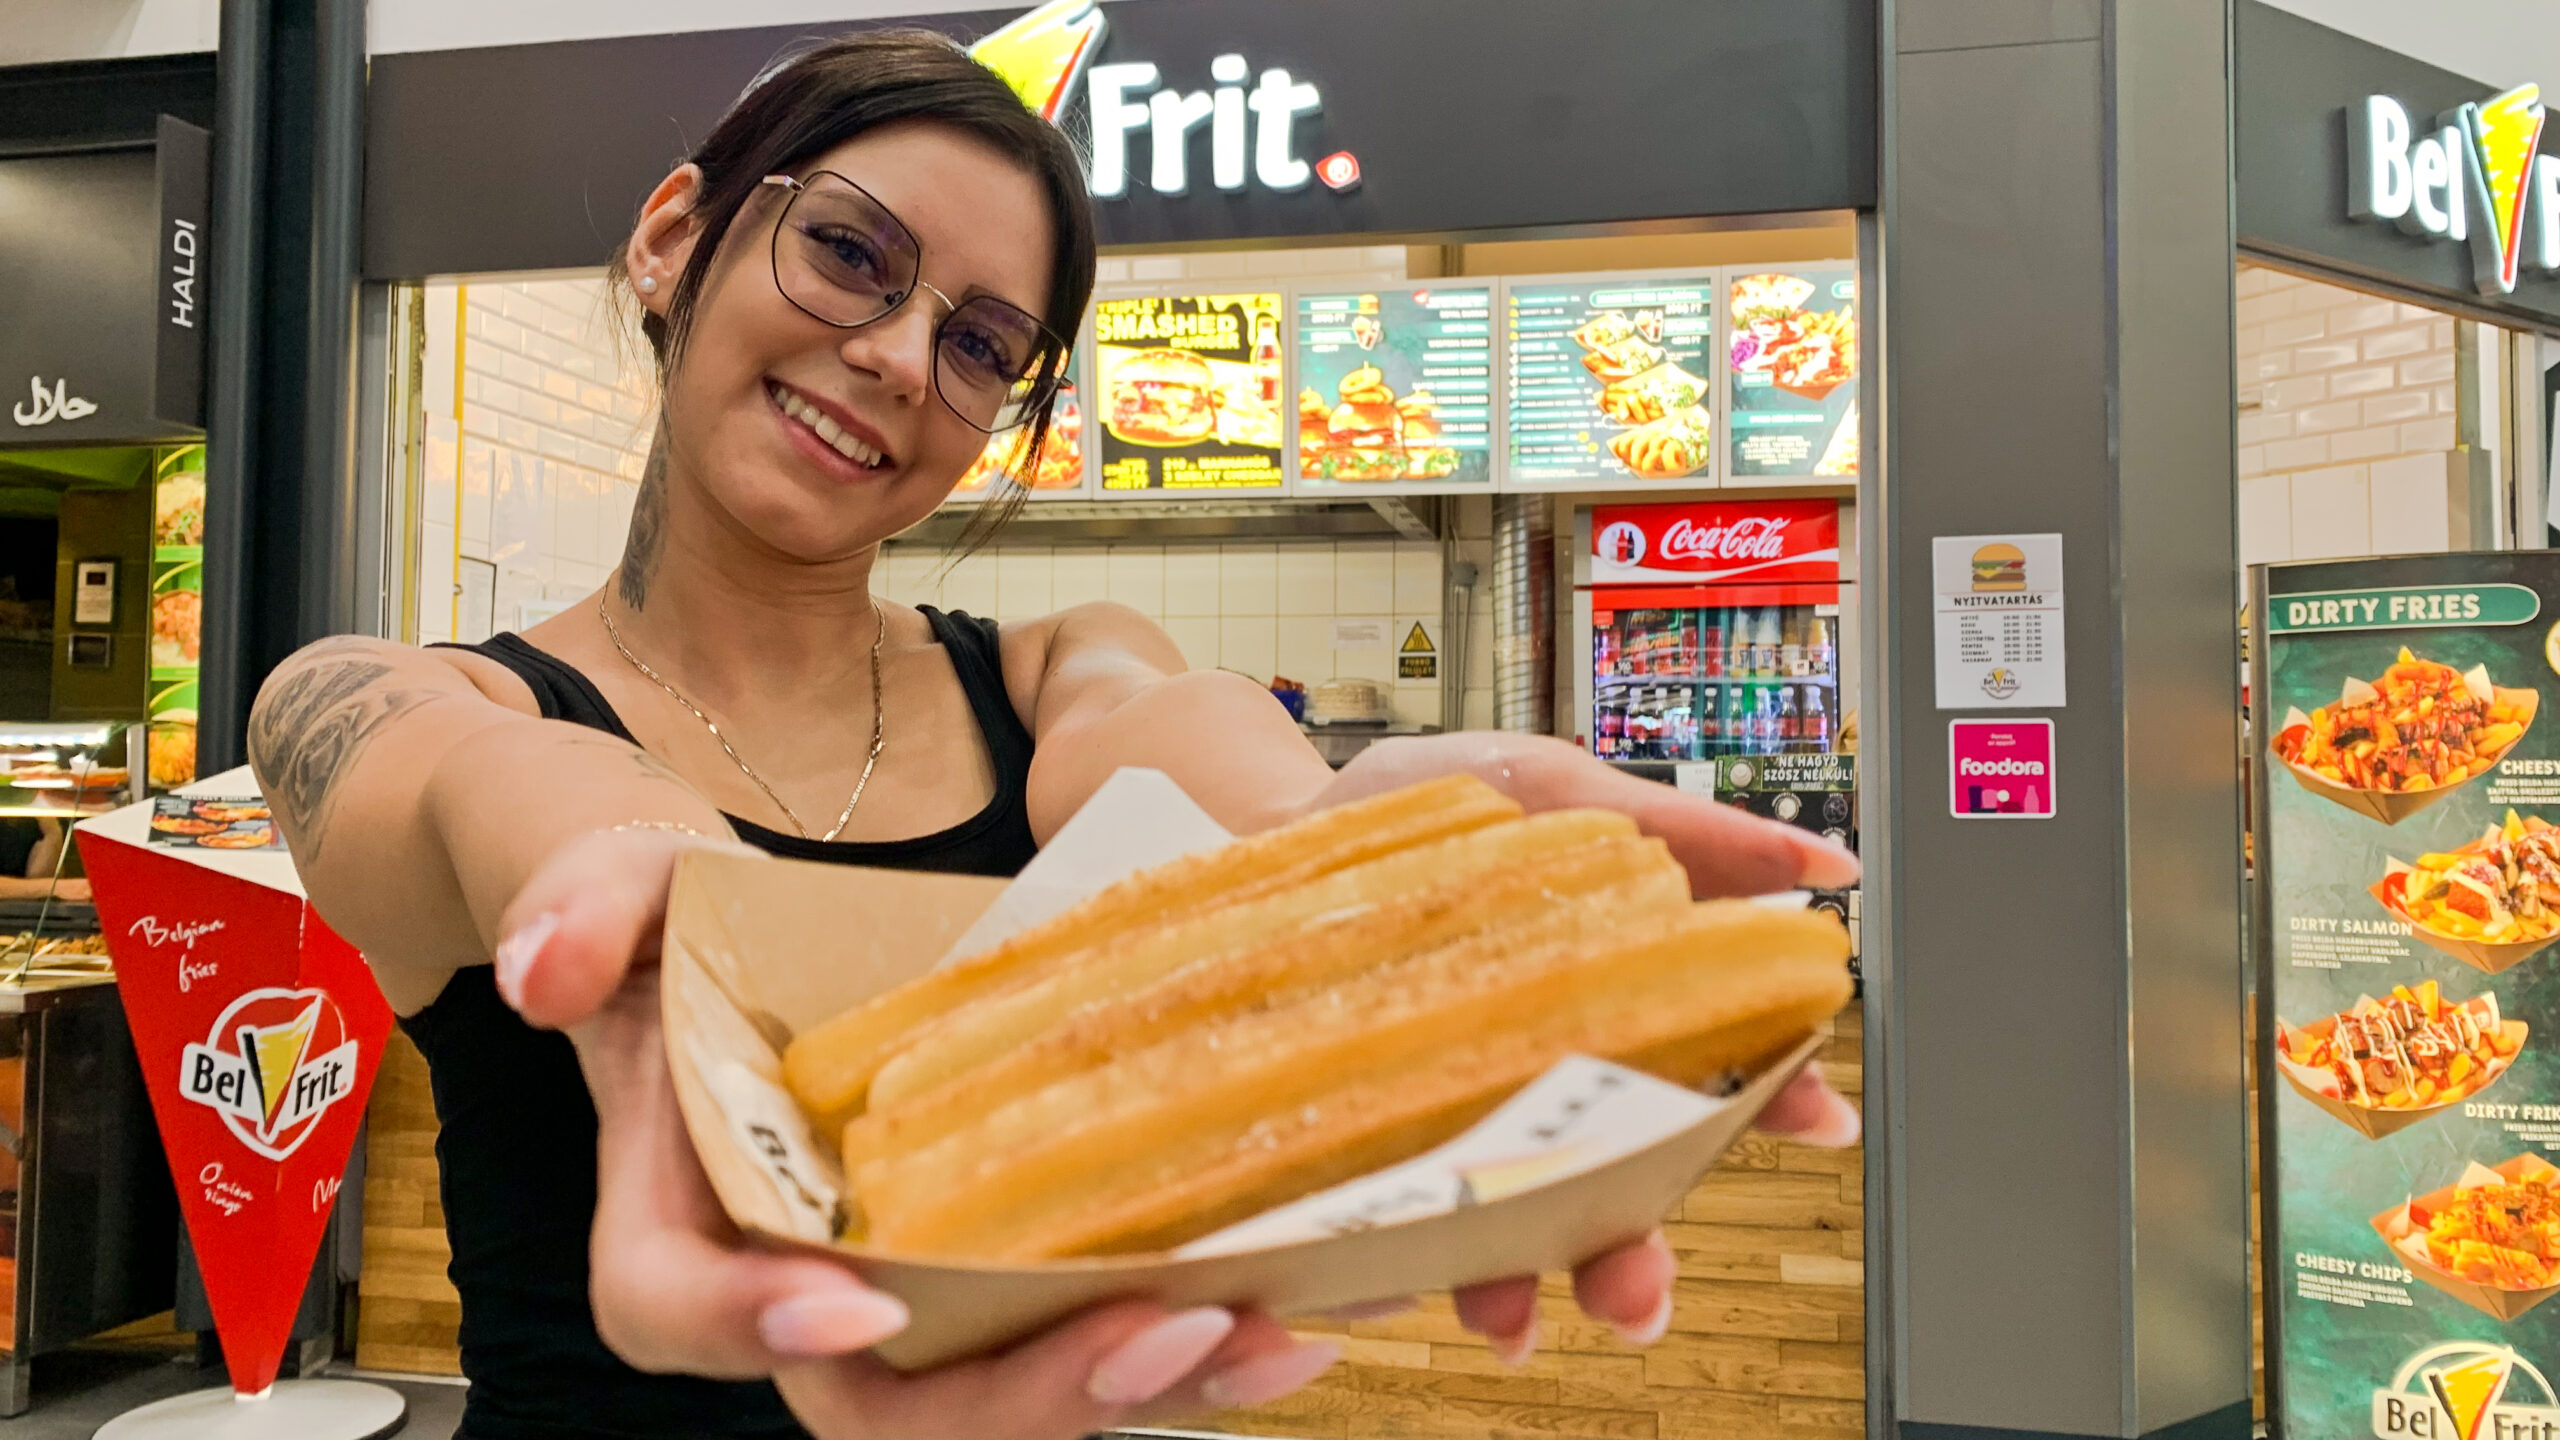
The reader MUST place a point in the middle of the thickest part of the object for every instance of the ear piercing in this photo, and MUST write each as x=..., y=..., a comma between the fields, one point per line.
x=648, y=284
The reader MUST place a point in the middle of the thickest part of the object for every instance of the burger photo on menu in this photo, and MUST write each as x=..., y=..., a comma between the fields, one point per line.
x=1402, y=1042
x=2491, y=1239
x=2492, y=904
x=2391, y=746
x=1395, y=385
x=1164, y=397
x=2383, y=1065
x=1187, y=390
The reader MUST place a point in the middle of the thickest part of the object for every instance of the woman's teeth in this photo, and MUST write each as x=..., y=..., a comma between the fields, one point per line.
x=827, y=429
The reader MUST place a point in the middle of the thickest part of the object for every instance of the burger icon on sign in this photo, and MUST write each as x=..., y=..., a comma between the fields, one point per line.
x=1999, y=567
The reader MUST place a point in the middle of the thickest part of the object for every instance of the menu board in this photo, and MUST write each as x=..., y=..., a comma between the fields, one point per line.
x=177, y=614
x=2409, y=993
x=1608, y=380
x=1060, y=467
x=1188, y=392
x=1395, y=385
x=1791, y=368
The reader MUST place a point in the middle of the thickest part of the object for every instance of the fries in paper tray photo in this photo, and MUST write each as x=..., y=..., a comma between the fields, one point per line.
x=2383, y=1065
x=1411, y=1042
x=2492, y=904
x=2391, y=747
x=2490, y=1239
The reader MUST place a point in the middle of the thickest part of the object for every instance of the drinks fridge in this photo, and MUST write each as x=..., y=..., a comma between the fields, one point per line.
x=1714, y=630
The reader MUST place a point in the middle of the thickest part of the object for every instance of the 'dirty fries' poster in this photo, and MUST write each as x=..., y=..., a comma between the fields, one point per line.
x=1187, y=392
x=2407, y=840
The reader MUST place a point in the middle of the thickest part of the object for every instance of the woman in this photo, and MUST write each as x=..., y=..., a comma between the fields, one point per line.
x=867, y=268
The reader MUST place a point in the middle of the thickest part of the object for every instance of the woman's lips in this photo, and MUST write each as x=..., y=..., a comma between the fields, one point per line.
x=802, y=416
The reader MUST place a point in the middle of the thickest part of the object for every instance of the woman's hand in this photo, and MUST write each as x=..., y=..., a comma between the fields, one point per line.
x=676, y=1288
x=1727, y=853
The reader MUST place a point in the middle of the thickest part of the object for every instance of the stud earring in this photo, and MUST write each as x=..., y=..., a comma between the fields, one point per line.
x=648, y=284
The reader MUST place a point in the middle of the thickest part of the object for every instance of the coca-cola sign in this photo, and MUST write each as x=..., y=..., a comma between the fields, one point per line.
x=1758, y=541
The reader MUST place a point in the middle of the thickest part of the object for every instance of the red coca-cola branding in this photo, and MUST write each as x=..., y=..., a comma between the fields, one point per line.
x=1762, y=541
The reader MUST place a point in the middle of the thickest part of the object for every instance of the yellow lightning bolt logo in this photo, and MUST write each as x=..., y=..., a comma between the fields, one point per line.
x=1043, y=54
x=2470, y=1392
x=278, y=1053
x=2505, y=134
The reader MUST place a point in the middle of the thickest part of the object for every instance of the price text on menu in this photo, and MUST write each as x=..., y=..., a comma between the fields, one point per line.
x=1608, y=380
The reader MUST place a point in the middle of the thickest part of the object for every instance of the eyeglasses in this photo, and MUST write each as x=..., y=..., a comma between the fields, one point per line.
x=843, y=259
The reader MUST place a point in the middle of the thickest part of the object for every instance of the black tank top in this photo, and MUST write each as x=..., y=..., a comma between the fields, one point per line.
x=517, y=1150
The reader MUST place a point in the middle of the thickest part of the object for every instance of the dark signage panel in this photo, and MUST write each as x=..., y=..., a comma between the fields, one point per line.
x=1426, y=117
x=185, y=167
x=2299, y=87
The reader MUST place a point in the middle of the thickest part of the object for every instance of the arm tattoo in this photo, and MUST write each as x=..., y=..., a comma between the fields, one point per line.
x=305, y=735
x=648, y=528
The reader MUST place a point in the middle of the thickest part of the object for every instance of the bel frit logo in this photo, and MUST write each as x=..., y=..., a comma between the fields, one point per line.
x=2467, y=1390
x=274, y=1064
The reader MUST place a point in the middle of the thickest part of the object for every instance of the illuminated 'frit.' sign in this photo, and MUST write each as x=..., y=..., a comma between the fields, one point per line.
x=2478, y=177
x=1252, y=121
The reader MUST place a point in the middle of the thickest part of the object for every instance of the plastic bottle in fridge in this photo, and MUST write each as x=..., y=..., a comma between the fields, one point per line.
x=1764, y=644
x=1710, y=720
x=1738, y=646
x=1822, y=652
x=1791, y=642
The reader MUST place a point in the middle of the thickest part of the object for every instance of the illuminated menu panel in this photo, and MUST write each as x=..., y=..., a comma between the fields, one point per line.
x=1395, y=386
x=1058, y=473
x=1608, y=380
x=1792, y=365
x=1187, y=392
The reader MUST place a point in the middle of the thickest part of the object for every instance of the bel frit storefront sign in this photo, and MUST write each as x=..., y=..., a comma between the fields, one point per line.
x=259, y=1031
x=2478, y=177
x=2408, y=945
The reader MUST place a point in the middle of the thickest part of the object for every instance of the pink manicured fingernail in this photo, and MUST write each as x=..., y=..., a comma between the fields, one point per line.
x=1148, y=1363
x=1826, y=866
x=1261, y=1381
x=1838, y=1127
x=1653, y=1326
x=1514, y=1350
x=515, y=955
x=830, y=1322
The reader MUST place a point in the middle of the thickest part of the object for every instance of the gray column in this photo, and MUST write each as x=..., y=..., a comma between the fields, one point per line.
x=2055, y=1067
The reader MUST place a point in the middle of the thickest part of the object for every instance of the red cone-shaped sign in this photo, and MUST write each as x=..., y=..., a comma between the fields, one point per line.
x=259, y=1031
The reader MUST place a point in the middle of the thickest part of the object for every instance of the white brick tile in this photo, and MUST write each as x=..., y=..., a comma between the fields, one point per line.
x=2297, y=392
x=558, y=446
x=1304, y=647
x=1079, y=576
x=560, y=385
x=1155, y=267
x=1196, y=636
x=479, y=479
x=1248, y=643
x=1137, y=577
x=2285, y=455
x=2293, y=330
x=2355, y=319
x=614, y=531
x=1418, y=577
x=2332, y=513
x=600, y=458
x=971, y=586
x=2256, y=428
x=1247, y=580
x=1022, y=582
x=2361, y=380
x=1365, y=664
x=520, y=371
x=1364, y=578
x=2266, y=519
x=2251, y=280
x=2412, y=312
x=2433, y=369
x=2324, y=355
x=2440, y=334
x=1191, y=581
x=2320, y=419
x=2259, y=309
x=2396, y=406
x=1110, y=270
x=2364, y=444
x=2253, y=459
x=2393, y=343
x=584, y=365
x=2252, y=339
x=2446, y=401
x=1479, y=708
x=1416, y=702
x=2436, y=434
x=1303, y=580
x=2266, y=365
x=2409, y=510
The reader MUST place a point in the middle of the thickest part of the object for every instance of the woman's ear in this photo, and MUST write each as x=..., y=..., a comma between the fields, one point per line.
x=662, y=243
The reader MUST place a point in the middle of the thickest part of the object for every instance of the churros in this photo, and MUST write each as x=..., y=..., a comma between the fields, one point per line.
x=829, y=1069
x=1220, y=1121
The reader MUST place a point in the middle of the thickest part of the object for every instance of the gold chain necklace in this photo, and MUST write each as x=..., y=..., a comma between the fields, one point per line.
x=879, y=632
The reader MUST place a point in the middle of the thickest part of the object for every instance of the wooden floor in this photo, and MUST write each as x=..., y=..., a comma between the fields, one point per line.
x=1767, y=1329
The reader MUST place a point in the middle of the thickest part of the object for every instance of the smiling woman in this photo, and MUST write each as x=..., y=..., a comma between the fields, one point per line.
x=864, y=271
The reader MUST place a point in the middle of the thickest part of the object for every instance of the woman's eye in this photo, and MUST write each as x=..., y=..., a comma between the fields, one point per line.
x=983, y=351
x=847, y=248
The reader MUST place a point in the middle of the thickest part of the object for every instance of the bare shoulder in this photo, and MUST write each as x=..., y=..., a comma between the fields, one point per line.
x=1059, y=655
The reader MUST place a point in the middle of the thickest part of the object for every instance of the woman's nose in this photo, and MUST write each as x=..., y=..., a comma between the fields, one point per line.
x=898, y=349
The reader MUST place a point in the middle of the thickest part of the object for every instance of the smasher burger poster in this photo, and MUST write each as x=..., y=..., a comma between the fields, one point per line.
x=2407, y=933
x=1187, y=391
x=1396, y=385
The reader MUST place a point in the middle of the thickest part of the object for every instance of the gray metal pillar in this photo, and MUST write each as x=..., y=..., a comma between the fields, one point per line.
x=1524, y=613
x=2055, y=1069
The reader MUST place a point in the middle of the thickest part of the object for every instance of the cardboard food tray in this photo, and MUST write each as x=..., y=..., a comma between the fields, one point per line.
x=2506, y=1305
x=2489, y=958
x=759, y=949
x=2373, y=1122
x=2392, y=806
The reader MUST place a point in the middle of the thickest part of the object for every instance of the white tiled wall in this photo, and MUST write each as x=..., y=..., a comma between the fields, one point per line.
x=1263, y=609
x=2346, y=418
x=532, y=466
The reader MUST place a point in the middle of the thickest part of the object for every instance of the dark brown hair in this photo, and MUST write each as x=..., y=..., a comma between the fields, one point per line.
x=810, y=101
